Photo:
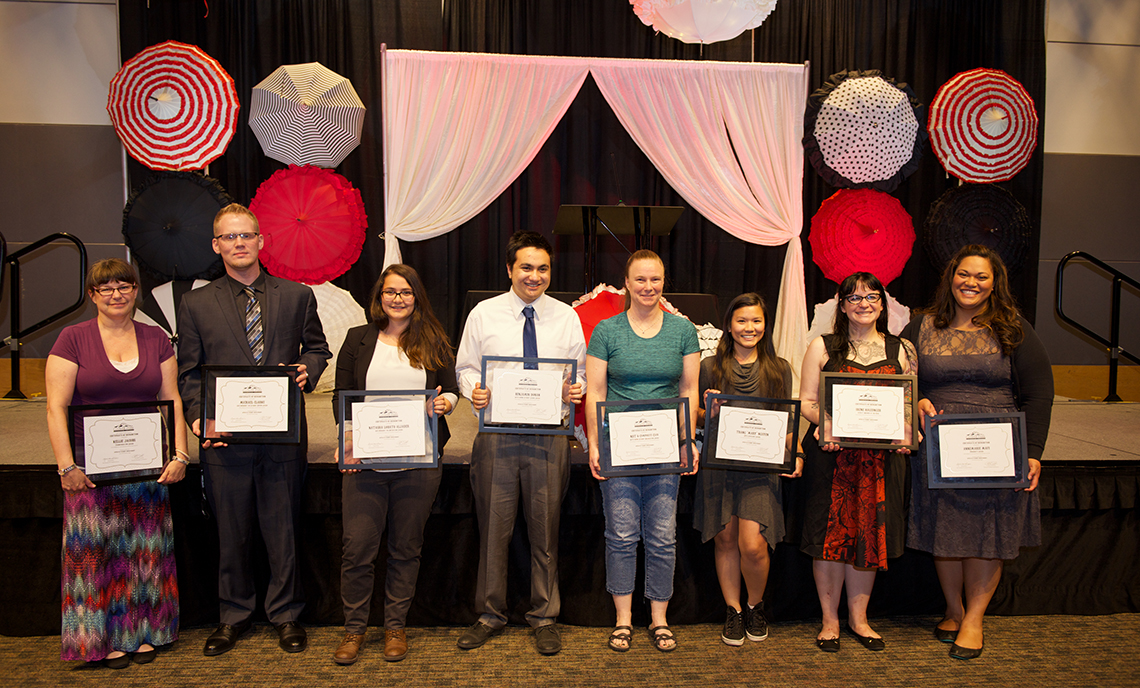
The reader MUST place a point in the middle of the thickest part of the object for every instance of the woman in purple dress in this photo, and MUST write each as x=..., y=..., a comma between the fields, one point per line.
x=120, y=590
x=976, y=355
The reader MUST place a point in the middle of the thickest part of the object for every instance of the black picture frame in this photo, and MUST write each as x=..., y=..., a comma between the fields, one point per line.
x=937, y=477
x=608, y=410
x=714, y=414
x=248, y=380
x=429, y=458
x=153, y=418
x=908, y=418
x=565, y=426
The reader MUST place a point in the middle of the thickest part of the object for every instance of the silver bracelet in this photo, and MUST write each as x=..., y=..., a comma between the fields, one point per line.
x=64, y=471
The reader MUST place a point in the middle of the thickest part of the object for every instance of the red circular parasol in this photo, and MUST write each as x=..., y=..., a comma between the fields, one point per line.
x=313, y=221
x=861, y=230
x=173, y=107
x=983, y=126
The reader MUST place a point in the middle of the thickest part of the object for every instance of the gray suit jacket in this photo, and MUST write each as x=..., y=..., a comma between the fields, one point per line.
x=211, y=331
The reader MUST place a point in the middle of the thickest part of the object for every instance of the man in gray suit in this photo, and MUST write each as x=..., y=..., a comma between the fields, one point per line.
x=248, y=317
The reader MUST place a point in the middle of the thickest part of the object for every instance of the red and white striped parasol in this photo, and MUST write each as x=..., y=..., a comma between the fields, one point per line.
x=173, y=107
x=313, y=221
x=306, y=114
x=983, y=126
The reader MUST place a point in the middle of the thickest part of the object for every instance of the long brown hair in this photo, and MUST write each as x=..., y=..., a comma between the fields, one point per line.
x=770, y=366
x=424, y=342
x=840, y=340
x=1000, y=315
x=642, y=254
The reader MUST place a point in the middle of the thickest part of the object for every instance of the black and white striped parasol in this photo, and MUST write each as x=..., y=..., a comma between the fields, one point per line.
x=306, y=114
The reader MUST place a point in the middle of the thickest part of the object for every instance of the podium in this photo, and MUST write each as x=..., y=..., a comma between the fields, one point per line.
x=641, y=221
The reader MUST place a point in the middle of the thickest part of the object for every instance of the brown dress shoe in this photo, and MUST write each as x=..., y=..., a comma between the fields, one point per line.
x=349, y=650
x=395, y=644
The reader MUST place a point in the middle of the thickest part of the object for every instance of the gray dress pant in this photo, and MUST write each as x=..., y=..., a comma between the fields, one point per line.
x=503, y=468
x=371, y=501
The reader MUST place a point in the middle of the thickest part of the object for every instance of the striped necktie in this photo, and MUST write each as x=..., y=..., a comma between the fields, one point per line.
x=253, y=332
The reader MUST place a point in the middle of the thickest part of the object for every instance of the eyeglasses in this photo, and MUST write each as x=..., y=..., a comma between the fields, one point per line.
x=124, y=290
x=854, y=299
x=407, y=294
x=231, y=238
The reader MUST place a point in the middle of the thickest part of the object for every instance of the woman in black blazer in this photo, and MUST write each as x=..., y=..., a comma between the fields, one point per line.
x=403, y=348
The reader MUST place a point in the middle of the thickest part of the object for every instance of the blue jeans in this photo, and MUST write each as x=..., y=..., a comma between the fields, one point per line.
x=641, y=508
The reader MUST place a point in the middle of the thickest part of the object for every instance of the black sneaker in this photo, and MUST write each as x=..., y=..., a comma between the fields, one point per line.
x=755, y=623
x=733, y=633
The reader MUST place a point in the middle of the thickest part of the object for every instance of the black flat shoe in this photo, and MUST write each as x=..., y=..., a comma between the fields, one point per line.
x=291, y=637
x=117, y=662
x=944, y=635
x=224, y=638
x=874, y=644
x=959, y=652
x=827, y=644
x=144, y=657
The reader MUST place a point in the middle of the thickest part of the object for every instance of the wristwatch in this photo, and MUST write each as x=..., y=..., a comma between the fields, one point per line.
x=64, y=471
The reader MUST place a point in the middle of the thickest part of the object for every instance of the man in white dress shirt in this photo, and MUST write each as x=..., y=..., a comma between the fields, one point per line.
x=507, y=466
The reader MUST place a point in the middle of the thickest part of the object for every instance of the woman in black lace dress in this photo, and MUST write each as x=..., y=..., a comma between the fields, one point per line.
x=976, y=355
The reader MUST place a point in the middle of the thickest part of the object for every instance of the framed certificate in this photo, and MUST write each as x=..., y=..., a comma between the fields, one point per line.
x=868, y=411
x=750, y=433
x=122, y=442
x=251, y=404
x=526, y=395
x=388, y=429
x=967, y=450
x=643, y=437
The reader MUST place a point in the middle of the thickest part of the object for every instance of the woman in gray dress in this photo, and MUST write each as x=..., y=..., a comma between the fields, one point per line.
x=976, y=355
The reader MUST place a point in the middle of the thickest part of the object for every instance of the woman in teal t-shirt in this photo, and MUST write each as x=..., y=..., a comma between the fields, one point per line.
x=643, y=353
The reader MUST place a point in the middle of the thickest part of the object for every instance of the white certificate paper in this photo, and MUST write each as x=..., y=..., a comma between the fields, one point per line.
x=868, y=412
x=638, y=438
x=756, y=435
x=976, y=450
x=533, y=397
x=126, y=442
x=252, y=404
x=389, y=429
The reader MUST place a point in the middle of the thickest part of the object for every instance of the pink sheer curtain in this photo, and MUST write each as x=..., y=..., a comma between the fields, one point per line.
x=459, y=128
x=727, y=137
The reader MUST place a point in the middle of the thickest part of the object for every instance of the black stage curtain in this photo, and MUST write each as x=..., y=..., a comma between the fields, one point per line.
x=1086, y=564
x=590, y=158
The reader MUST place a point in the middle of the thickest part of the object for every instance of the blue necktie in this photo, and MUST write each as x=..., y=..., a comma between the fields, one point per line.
x=530, y=341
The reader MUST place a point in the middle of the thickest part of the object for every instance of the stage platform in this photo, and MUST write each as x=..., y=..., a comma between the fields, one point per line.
x=1086, y=564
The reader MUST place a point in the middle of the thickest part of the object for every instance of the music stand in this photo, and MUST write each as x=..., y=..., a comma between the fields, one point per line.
x=641, y=221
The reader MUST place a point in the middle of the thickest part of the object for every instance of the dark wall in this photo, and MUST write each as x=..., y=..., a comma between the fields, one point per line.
x=57, y=178
x=589, y=158
x=1086, y=209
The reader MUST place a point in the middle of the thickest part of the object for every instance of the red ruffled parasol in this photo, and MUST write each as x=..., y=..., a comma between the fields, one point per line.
x=861, y=230
x=983, y=126
x=313, y=221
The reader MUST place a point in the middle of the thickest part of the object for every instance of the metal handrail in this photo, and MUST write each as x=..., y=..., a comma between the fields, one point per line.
x=13, y=341
x=1115, y=351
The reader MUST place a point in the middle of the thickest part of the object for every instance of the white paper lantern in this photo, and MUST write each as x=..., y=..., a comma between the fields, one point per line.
x=703, y=21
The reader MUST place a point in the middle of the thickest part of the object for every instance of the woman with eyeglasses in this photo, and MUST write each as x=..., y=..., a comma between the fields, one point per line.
x=978, y=356
x=403, y=348
x=854, y=518
x=120, y=587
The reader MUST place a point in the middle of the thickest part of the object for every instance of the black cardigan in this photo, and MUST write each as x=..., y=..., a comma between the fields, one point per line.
x=352, y=372
x=1032, y=382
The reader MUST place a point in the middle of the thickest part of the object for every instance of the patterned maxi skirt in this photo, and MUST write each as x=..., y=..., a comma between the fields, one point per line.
x=120, y=587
